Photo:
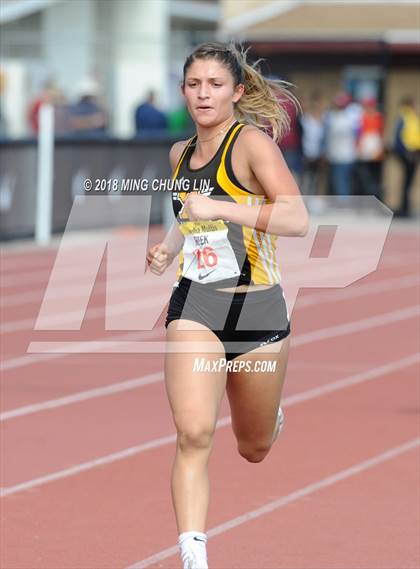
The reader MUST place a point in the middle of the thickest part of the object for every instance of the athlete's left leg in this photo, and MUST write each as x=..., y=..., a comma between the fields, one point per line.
x=254, y=398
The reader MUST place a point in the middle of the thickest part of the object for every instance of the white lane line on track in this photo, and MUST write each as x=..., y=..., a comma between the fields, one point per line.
x=357, y=290
x=48, y=255
x=64, y=293
x=73, y=271
x=63, y=319
x=334, y=295
x=41, y=277
x=357, y=325
x=300, y=340
x=307, y=395
x=125, y=385
x=29, y=359
x=19, y=299
x=111, y=389
x=289, y=498
x=140, y=347
x=43, y=262
x=99, y=345
x=364, y=289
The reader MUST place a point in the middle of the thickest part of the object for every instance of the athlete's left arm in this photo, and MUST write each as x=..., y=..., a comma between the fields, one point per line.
x=287, y=215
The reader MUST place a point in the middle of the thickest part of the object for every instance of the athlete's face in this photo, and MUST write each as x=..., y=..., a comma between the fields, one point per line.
x=210, y=92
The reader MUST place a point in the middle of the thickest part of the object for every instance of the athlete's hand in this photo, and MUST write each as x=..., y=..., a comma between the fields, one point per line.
x=159, y=257
x=199, y=207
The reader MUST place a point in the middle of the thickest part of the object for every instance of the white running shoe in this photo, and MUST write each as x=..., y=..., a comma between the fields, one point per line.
x=279, y=424
x=194, y=560
x=280, y=420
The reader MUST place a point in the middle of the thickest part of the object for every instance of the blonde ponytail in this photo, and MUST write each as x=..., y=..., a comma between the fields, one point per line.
x=263, y=100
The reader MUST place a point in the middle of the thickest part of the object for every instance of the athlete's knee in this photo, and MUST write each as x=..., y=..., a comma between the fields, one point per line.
x=195, y=437
x=253, y=452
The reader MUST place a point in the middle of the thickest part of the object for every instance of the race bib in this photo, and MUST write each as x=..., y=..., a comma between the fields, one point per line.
x=208, y=254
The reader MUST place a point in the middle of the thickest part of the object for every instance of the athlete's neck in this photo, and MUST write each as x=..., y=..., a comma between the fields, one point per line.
x=209, y=137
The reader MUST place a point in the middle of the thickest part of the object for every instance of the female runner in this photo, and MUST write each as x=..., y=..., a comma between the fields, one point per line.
x=227, y=293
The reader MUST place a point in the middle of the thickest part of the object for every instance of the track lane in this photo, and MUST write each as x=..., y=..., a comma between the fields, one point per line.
x=141, y=522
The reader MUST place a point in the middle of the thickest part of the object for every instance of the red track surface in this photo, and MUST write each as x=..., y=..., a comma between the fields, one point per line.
x=334, y=498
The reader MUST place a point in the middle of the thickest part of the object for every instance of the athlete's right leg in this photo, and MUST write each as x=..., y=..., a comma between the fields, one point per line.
x=195, y=398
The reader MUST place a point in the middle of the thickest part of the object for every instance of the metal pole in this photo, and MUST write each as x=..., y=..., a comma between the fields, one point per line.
x=43, y=220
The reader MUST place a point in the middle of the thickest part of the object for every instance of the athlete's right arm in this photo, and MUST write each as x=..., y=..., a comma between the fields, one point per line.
x=160, y=256
x=175, y=153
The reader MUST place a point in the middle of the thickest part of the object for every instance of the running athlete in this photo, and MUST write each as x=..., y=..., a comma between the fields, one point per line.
x=240, y=195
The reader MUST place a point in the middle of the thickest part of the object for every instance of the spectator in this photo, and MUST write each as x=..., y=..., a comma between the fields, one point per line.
x=148, y=118
x=407, y=149
x=340, y=141
x=52, y=95
x=313, y=131
x=179, y=121
x=370, y=149
x=87, y=117
x=291, y=143
x=355, y=110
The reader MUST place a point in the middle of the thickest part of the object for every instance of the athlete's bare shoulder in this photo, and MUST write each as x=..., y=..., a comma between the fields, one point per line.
x=176, y=151
x=255, y=144
x=251, y=134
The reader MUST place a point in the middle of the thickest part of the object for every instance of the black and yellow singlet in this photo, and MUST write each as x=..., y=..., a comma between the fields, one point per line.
x=219, y=251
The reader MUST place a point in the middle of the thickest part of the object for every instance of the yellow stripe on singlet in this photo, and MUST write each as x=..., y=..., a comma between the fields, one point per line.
x=260, y=247
x=258, y=274
x=222, y=177
x=272, y=239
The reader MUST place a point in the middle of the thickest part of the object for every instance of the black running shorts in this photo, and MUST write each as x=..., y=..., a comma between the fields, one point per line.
x=242, y=321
